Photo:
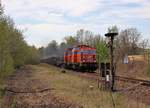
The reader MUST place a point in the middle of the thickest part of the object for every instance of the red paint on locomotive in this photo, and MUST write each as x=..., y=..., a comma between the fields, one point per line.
x=81, y=55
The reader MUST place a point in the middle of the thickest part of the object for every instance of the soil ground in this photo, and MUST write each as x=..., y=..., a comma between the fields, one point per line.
x=24, y=90
x=45, y=86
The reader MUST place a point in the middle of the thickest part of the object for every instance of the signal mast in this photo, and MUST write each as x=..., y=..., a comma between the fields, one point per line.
x=111, y=39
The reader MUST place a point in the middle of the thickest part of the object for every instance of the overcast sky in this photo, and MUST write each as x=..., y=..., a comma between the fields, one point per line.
x=46, y=20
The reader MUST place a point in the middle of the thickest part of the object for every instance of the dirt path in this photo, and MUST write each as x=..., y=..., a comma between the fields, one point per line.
x=24, y=90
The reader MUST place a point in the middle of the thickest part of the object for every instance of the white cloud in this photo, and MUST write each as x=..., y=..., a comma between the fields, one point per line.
x=39, y=9
x=51, y=22
x=42, y=34
x=72, y=7
x=143, y=12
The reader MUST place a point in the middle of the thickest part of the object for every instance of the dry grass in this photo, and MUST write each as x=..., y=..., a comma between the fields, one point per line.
x=2, y=92
x=77, y=89
x=136, y=68
x=142, y=58
x=136, y=58
x=147, y=70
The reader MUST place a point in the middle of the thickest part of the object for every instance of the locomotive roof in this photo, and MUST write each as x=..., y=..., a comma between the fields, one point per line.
x=79, y=46
x=84, y=46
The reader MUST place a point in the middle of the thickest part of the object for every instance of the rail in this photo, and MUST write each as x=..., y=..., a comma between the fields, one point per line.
x=133, y=80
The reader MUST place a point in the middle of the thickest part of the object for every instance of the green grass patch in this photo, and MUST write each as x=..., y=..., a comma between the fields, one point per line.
x=81, y=90
x=2, y=92
x=147, y=70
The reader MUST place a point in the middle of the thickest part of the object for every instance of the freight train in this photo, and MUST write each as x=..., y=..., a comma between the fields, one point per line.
x=80, y=57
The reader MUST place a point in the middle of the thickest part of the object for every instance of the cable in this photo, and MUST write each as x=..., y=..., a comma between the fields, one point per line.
x=39, y=91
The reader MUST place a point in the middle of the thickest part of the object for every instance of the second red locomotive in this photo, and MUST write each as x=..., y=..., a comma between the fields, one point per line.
x=81, y=57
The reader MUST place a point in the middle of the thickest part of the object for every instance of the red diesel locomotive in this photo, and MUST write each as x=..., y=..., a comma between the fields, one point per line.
x=81, y=57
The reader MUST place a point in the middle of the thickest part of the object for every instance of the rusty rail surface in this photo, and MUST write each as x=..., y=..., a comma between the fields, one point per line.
x=119, y=78
x=133, y=80
x=130, y=80
x=125, y=79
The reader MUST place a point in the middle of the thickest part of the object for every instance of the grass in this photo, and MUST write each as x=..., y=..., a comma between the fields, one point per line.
x=78, y=90
x=142, y=58
x=2, y=92
x=137, y=57
x=13, y=105
x=140, y=64
x=147, y=70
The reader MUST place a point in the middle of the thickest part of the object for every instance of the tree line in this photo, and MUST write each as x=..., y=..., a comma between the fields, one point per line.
x=14, y=51
x=82, y=37
x=128, y=42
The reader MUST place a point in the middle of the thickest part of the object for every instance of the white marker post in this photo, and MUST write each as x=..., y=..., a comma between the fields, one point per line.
x=126, y=60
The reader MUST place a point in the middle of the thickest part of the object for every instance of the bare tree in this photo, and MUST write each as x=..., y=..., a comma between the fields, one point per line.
x=144, y=48
x=80, y=36
x=128, y=42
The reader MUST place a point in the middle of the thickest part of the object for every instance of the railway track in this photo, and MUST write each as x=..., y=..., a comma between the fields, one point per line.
x=133, y=80
x=95, y=76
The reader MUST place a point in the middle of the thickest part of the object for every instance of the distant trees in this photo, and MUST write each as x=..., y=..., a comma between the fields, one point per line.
x=85, y=37
x=113, y=29
x=144, y=45
x=14, y=51
x=102, y=51
x=71, y=41
x=82, y=37
x=51, y=49
x=1, y=9
x=128, y=42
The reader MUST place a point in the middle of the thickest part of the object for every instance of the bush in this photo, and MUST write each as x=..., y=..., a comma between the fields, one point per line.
x=14, y=51
x=102, y=51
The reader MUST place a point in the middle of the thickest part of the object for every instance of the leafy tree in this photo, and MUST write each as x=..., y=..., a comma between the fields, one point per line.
x=4, y=46
x=70, y=41
x=41, y=52
x=51, y=49
x=33, y=55
x=1, y=10
x=113, y=29
x=14, y=51
x=102, y=51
